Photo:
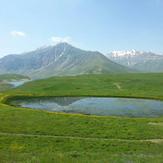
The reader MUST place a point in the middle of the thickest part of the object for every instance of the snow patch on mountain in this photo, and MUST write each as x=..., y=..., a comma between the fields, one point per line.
x=125, y=53
x=138, y=60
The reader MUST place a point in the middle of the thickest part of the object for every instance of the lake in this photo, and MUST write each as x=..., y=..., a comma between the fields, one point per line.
x=129, y=107
x=17, y=83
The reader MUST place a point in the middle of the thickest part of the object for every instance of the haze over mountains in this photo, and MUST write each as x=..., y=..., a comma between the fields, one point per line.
x=141, y=61
x=59, y=60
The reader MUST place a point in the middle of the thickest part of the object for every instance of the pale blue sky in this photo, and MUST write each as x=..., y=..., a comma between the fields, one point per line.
x=103, y=25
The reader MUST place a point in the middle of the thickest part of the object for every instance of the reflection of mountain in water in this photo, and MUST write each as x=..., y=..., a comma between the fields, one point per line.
x=64, y=101
x=95, y=105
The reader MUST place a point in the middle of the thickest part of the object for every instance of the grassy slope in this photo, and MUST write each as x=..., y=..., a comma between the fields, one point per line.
x=12, y=77
x=135, y=85
x=122, y=132
x=4, y=86
x=4, y=78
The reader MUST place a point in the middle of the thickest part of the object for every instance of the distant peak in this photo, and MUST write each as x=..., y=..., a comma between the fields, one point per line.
x=59, y=45
x=132, y=52
x=62, y=44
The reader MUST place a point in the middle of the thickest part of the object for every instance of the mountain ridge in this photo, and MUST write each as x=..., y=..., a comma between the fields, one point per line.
x=59, y=60
x=138, y=60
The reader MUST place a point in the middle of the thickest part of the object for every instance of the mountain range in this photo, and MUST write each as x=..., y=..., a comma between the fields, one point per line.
x=140, y=61
x=59, y=60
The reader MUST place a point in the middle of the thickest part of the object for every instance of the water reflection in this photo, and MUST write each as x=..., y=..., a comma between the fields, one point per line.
x=96, y=106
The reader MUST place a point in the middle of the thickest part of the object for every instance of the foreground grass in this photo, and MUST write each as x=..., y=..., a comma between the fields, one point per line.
x=27, y=135
x=25, y=149
x=128, y=139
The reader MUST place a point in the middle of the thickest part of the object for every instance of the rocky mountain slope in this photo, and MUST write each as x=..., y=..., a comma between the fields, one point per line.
x=62, y=59
x=141, y=61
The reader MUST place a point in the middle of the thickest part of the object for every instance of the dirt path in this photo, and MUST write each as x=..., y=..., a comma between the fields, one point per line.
x=156, y=124
x=117, y=85
x=79, y=138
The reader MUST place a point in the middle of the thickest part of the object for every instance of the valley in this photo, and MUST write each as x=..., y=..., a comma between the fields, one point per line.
x=8, y=81
x=81, y=81
x=42, y=136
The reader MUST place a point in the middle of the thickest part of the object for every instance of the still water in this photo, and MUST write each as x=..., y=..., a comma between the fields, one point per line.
x=96, y=106
x=17, y=83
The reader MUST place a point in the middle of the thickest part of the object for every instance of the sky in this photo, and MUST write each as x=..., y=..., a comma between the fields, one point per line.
x=100, y=25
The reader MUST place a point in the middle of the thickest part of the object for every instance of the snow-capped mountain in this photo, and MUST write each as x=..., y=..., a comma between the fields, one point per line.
x=138, y=60
x=62, y=59
x=125, y=53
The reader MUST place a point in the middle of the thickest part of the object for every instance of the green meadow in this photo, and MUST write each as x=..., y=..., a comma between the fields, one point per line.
x=12, y=77
x=31, y=136
x=6, y=78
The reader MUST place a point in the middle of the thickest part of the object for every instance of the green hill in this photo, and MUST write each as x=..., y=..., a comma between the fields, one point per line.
x=28, y=135
x=135, y=85
x=9, y=77
x=6, y=79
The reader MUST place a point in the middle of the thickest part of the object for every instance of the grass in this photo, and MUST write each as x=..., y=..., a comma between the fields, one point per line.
x=39, y=136
x=6, y=78
x=4, y=86
x=9, y=77
x=132, y=85
x=66, y=150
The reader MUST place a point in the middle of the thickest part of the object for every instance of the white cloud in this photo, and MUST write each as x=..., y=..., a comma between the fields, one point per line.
x=17, y=34
x=57, y=40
